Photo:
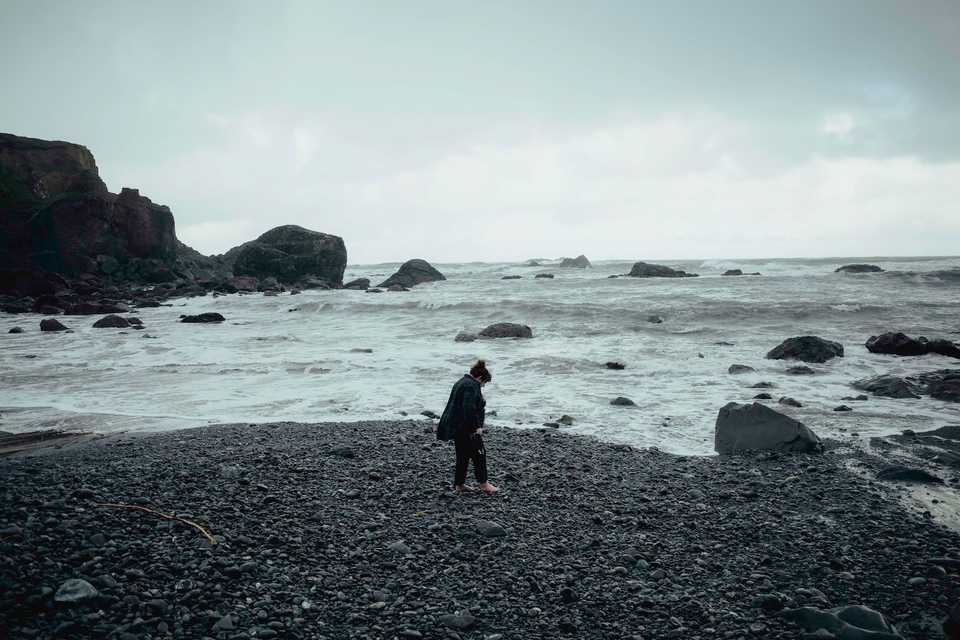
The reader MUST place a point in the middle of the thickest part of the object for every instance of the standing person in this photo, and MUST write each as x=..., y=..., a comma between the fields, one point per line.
x=462, y=422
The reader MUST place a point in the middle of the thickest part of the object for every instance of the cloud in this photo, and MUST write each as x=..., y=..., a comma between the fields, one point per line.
x=699, y=185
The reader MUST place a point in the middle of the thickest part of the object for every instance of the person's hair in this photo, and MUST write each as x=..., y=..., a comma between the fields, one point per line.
x=480, y=372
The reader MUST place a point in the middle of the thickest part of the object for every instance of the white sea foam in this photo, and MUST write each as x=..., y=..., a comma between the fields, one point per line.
x=267, y=363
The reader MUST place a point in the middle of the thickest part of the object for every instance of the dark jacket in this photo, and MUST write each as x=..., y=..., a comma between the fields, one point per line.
x=465, y=410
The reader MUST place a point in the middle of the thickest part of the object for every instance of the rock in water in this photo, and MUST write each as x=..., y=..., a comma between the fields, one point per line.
x=858, y=268
x=52, y=324
x=507, y=330
x=548, y=276
x=747, y=427
x=465, y=336
x=291, y=254
x=580, y=262
x=15, y=330
x=903, y=345
x=511, y=277
x=412, y=273
x=616, y=366
x=646, y=270
x=74, y=591
x=790, y=402
x=736, y=369
x=888, y=387
x=806, y=348
x=112, y=322
x=620, y=401
x=203, y=318
x=361, y=284
x=801, y=370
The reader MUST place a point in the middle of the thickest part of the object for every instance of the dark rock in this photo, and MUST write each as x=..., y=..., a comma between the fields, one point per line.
x=75, y=591
x=52, y=324
x=853, y=622
x=511, y=277
x=343, y=452
x=615, y=365
x=801, y=370
x=203, y=318
x=489, y=529
x=903, y=345
x=620, y=401
x=739, y=272
x=291, y=254
x=908, y=474
x=736, y=369
x=507, y=330
x=412, y=273
x=763, y=385
x=15, y=330
x=397, y=287
x=548, y=276
x=465, y=336
x=763, y=396
x=133, y=320
x=374, y=290
x=806, y=348
x=946, y=390
x=96, y=309
x=430, y=414
x=458, y=622
x=888, y=386
x=654, y=319
x=842, y=407
x=788, y=401
x=746, y=427
x=646, y=270
x=565, y=420
x=580, y=262
x=858, y=268
x=111, y=322
x=951, y=626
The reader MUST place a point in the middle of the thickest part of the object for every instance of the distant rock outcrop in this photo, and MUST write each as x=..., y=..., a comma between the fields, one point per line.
x=412, y=273
x=291, y=254
x=360, y=284
x=807, y=349
x=739, y=272
x=750, y=427
x=580, y=262
x=858, y=268
x=647, y=270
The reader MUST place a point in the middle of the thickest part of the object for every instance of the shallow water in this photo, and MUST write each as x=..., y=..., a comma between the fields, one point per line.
x=267, y=363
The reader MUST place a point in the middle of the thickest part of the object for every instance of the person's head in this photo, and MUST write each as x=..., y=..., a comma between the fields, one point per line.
x=480, y=372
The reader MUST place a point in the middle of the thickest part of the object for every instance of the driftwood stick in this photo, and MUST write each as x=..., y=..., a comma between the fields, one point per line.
x=165, y=516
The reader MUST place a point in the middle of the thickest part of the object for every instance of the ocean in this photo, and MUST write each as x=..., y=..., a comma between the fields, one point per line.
x=300, y=358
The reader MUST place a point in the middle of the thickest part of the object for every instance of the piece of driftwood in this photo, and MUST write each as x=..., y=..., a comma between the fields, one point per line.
x=166, y=516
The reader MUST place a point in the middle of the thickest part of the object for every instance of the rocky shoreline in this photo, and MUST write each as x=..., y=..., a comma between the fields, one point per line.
x=349, y=530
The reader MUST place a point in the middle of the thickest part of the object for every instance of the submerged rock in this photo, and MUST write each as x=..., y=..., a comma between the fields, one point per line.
x=620, y=401
x=412, y=273
x=507, y=330
x=888, y=386
x=465, y=336
x=647, y=270
x=547, y=276
x=790, y=402
x=15, y=330
x=736, y=369
x=801, y=370
x=112, y=322
x=361, y=284
x=807, y=349
x=858, y=268
x=747, y=427
x=203, y=318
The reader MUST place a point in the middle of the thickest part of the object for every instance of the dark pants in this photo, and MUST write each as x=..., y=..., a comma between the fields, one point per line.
x=470, y=447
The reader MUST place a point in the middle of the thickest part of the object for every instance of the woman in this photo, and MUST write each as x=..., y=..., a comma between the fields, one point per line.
x=462, y=422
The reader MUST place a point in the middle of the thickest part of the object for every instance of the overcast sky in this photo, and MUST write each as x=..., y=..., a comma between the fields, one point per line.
x=504, y=130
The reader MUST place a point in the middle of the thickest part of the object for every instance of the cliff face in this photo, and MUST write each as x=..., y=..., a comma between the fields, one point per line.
x=57, y=215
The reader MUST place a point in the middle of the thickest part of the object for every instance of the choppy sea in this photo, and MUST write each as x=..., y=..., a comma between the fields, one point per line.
x=299, y=357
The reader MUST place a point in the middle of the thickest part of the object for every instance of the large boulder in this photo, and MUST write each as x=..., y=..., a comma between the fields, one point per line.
x=750, y=427
x=888, y=387
x=412, y=273
x=112, y=322
x=203, y=318
x=854, y=622
x=858, y=268
x=52, y=324
x=943, y=384
x=291, y=254
x=903, y=345
x=806, y=348
x=360, y=284
x=507, y=330
x=580, y=262
x=647, y=270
